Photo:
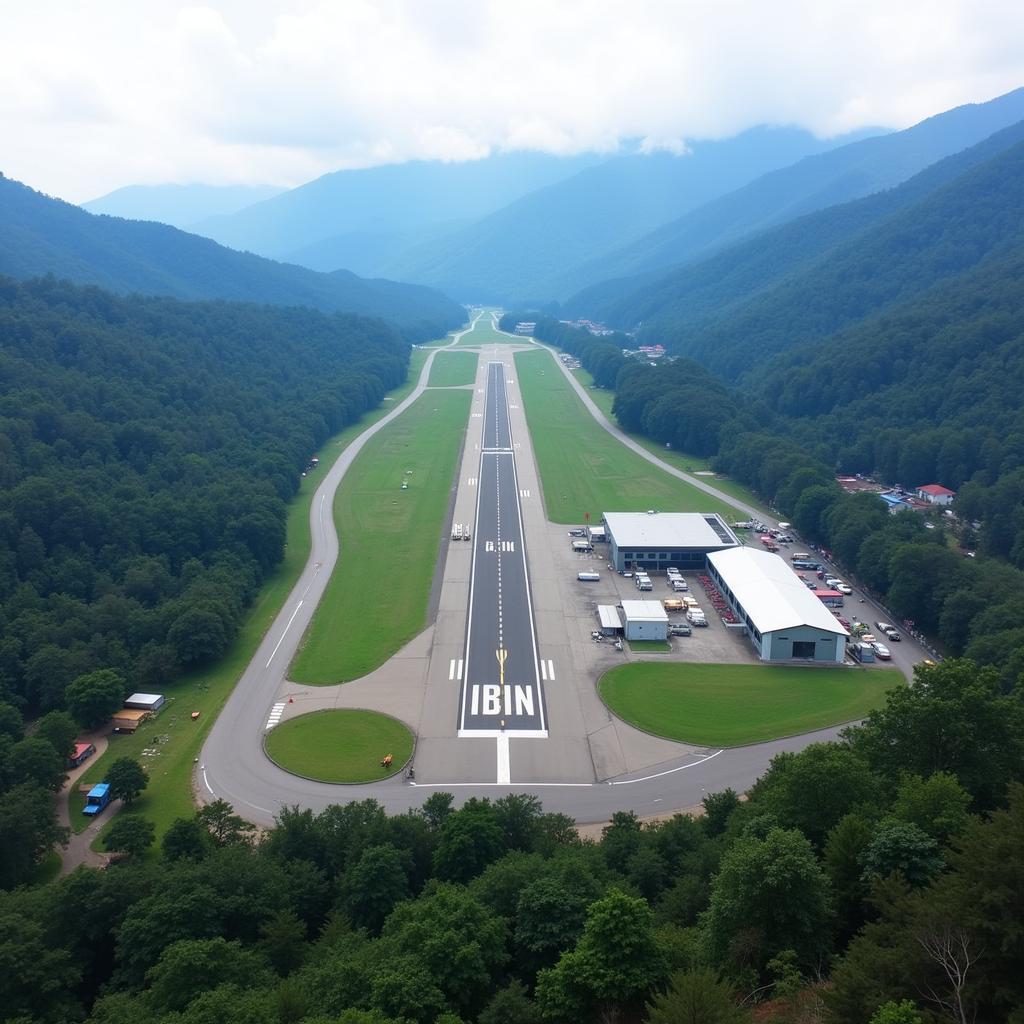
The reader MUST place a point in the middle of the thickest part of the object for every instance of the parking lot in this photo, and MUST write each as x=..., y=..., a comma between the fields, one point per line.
x=712, y=643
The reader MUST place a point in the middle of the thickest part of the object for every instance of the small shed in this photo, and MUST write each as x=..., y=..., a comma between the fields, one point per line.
x=597, y=534
x=145, y=701
x=129, y=719
x=645, y=620
x=611, y=624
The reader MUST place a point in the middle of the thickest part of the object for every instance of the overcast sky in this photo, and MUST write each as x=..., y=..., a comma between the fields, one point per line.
x=95, y=94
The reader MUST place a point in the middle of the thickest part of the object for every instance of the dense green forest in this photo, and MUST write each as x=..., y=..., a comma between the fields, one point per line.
x=41, y=235
x=148, y=448
x=852, y=886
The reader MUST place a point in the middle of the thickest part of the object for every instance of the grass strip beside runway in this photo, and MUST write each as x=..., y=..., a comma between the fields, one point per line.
x=732, y=705
x=453, y=369
x=605, y=399
x=345, y=746
x=169, y=793
x=376, y=600
x=582, y=467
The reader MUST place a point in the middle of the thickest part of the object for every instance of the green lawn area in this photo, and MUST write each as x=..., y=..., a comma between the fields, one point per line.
x=169, y=794
x=484, y=334
x=377, y=598
x=731, y=705
x=340, y=746
x=604, y=399
x=649, y=646
x=582, y=467
x=453, y=369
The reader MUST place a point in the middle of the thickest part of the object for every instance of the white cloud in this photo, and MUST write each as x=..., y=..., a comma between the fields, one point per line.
x=96, y=95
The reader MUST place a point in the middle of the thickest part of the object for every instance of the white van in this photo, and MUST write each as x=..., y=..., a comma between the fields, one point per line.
x=588, y=577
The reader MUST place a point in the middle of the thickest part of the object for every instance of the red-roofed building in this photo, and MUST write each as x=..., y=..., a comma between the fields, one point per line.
x=936, y=494
x=83, y=751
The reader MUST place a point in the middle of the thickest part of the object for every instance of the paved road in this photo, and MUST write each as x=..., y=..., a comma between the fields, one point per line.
x=501, y=687
x=233, y=765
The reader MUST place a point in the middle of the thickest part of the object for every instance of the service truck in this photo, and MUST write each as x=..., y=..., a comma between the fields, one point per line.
x=97, y=799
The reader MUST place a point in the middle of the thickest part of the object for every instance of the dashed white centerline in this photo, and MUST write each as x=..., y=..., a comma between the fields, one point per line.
x=504, y=763
x=285, y=633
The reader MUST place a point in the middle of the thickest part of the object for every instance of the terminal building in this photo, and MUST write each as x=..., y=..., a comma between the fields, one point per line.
x=656, y=540
x=785, y=621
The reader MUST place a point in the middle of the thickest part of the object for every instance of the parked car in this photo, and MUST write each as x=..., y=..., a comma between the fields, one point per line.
x=884, y=627
x=869, y=638
x=844, y=588
x=881, y=651
x=680, y=629
x=893, y=634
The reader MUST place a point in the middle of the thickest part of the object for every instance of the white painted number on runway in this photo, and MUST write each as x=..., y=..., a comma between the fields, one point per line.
x=477, y=415
x=547, y=670
x=455, y=669
x=471, y=482
x=524, y=493
x=275, y=714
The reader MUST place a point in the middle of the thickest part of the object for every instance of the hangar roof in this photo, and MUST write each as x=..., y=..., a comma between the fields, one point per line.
x=667, y=530
x=770, y=592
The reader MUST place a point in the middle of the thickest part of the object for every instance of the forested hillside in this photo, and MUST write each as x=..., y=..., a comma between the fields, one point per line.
x=816, y=182
x=703, y=295
x=840, y=887
x=977, y=217
x=147, y=450
x=40, y=235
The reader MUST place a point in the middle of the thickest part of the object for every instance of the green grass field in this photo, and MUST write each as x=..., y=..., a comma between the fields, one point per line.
x=582, y=467
x=484, y=334
x=732, y=705
x=169, y=793
x=340, y=746
x=649, y=646
x=604, y=399
x=377, y=598
x=453, y=369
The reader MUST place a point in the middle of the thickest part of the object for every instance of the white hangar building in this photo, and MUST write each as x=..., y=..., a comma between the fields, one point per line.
x=655, y=540
x=785, y=621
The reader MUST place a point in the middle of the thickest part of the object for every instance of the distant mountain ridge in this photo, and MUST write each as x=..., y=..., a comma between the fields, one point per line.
x=40, y=235
x=839, y=175
x=179, y=205
x=707, y=292
x=388, y=199
x=513, y=255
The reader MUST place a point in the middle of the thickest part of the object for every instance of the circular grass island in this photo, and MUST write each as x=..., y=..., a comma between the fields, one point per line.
x=733, y=705
x=342, y=746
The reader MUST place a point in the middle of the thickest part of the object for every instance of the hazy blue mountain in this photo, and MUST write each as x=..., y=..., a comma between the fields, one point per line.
x=40, y=235
x=392, y=198
x=513, y=255
x=367, y=252
x=849, y=172
x=976, y=218
x=708, y=291
x=179, y=205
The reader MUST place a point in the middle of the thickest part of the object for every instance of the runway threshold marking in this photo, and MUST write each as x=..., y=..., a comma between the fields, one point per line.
x=504, y=763
x=275, y=714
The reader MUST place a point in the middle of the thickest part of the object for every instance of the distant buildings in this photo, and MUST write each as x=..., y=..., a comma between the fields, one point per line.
x=526, y=328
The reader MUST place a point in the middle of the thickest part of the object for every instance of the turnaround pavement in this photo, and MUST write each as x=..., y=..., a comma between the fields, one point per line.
x=489, y=658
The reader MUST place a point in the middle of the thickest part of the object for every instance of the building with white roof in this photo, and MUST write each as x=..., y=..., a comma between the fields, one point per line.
x=785, y=621
x=610, y=621
x=645, y=620
x=656, y=540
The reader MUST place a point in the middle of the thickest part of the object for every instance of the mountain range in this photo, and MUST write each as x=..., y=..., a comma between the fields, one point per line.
x=40, y=235
x=179, y=205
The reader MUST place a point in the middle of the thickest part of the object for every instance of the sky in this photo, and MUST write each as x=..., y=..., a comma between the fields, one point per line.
x=96, y=94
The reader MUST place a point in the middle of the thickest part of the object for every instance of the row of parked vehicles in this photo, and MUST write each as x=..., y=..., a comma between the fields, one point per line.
x=461, y=532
